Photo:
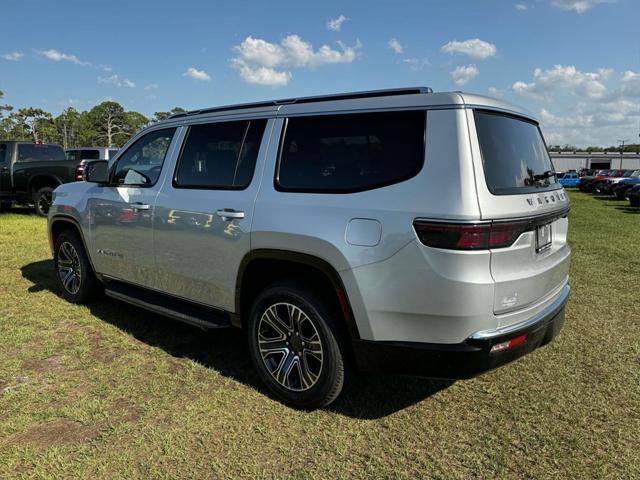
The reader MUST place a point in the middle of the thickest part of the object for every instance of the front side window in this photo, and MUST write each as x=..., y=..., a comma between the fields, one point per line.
x=220, y=155
x=3, y=152
x=142, y=163
x=112, y=153
x=514, y=154
x=350, y=153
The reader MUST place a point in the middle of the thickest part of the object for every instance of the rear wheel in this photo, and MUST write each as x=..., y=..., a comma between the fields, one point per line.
x=42, y=200
x=296, y=345
x=73, y=270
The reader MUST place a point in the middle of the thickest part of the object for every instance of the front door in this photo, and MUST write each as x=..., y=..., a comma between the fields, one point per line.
x=121, y=214
x=203, y=217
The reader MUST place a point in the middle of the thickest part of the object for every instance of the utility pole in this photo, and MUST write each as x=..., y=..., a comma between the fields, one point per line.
x=622, y=142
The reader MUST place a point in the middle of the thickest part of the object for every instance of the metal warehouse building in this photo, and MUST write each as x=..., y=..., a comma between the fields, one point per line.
x=564, y=161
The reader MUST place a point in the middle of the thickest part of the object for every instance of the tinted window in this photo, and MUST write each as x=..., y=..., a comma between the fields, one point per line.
x=73, y=155
x=514, y=155
x=3, y=152
x=35, y=151
x=348, y=153
x=220, y=155
x=141, y=164
x=89, y=155
x=112, y=153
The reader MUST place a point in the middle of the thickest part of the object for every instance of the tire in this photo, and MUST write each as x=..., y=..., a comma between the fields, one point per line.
x=73, y=270
x=316, y=373
x=42, y=201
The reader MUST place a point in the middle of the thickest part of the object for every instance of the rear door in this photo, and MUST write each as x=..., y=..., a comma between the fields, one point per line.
x=517, y=188
x=204, y=212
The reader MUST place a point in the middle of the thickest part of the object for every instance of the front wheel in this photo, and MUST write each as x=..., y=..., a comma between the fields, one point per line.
x=296, y=345
x=73, y=269
x=42, y=201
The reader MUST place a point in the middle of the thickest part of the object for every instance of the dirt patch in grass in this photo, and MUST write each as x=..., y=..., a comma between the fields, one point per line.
x=59, y=432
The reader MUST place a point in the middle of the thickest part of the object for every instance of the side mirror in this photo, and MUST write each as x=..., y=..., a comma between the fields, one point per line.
x=96, y=171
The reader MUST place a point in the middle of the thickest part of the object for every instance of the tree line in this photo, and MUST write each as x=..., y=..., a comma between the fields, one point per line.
x=107, y=124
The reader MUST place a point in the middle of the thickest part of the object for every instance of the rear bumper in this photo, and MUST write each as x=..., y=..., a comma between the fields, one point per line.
x=463, y=360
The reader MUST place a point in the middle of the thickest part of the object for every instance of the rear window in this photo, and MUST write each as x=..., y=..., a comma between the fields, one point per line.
x=350, y=153
x=514, y=155
x=34, y=151
x=89, y=155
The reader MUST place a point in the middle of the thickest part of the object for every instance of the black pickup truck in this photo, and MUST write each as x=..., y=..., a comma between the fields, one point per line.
x=29, y=172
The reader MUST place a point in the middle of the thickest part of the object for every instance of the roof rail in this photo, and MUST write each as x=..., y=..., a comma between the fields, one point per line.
x=318, y=98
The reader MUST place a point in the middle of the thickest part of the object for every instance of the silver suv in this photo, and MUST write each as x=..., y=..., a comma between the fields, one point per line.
x=402, y=231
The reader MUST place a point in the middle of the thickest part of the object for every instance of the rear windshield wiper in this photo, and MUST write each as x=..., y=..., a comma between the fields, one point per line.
x=542, y=176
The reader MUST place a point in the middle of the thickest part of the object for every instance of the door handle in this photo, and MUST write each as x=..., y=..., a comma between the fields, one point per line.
x=139, y=206
x=229, y=214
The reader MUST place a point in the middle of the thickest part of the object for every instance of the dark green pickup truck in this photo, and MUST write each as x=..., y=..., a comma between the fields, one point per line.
x=29, y=172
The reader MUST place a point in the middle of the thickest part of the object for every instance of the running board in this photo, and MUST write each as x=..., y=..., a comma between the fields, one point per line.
x=184, y=311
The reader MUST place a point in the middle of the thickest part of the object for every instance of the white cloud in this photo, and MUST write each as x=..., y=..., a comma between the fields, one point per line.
x=572, y=121
x=463, y=74
x=567, y=77
x=521, y=6
x=196, y=74
x=13, y=56
x=266, y=63
x=151, y=86
x=57, y=56
x=631, y=84
x=416, y=63
x=579, y=6
x=262, y=75
x=474, y=48
x=335, y=24
x=396, y=46
x=117, y=81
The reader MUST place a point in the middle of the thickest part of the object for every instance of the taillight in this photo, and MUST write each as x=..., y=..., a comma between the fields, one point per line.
x=78, y=173
x=461, y=236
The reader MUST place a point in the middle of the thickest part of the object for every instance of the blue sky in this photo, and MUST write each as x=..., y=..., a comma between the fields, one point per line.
x=574, y=63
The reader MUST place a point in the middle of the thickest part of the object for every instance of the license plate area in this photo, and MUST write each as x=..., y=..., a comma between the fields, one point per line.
x=543, y=237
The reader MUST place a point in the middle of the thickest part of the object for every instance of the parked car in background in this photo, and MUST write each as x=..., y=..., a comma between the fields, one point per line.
x=83, y=154
x=604, y=186
x=634, y=196
x=317, y=225
x=29, y=172
x=622, y=188
x=588, y=184
x=569, y=179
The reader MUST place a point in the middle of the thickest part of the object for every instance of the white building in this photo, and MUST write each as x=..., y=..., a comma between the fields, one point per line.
x=564, y=161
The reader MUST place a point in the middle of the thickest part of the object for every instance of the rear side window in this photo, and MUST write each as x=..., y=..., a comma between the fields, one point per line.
x=3, y=152
x=37, y=152
x=350, y=153
x=514, y=155
x=220, y=155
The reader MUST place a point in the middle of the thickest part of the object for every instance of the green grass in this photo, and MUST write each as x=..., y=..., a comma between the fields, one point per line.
x=110, y=391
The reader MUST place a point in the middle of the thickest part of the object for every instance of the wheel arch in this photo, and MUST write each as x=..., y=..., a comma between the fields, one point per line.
x=42, y=180
x=61, y=223
x=264, y=266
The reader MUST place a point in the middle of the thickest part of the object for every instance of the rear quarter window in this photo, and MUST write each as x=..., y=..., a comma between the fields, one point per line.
x=350, y=153
x=514, y=154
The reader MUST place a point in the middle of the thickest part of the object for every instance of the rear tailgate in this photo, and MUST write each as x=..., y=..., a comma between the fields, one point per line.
x=516, y=186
